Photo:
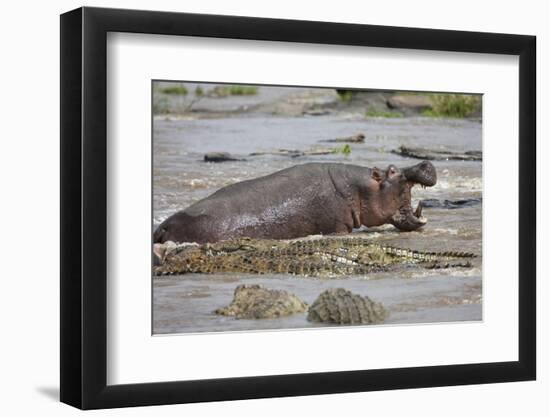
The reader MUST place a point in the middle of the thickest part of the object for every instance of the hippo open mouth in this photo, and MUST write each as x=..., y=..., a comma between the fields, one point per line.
x=406, y=218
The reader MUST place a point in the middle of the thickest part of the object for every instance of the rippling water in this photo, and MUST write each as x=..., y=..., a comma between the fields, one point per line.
x=180, y=178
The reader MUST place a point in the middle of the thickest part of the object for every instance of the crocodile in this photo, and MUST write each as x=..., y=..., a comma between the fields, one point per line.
x=340, y=306
x=257, y=302
x=316, y=257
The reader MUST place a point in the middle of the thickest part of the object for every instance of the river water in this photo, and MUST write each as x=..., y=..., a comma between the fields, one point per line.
x=185, y=304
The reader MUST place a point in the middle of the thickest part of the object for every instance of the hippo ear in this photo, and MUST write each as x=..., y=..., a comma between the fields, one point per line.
x=377, y=174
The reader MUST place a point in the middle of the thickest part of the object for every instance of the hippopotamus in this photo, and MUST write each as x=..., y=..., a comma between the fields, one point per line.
x=308, y=199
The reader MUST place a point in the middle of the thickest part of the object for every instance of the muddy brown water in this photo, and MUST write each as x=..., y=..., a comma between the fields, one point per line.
x=185, y=304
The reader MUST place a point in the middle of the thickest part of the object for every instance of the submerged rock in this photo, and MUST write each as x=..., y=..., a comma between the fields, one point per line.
x=220, y=157
x=317, y=112
x=450, y=204
x=340, y=306
x=281, y=152
x=438, y=154
x=258, y=302
x=295, y=153
x=358, y=138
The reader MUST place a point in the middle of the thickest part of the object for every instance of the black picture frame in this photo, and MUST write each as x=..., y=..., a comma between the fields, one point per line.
x=84, y=207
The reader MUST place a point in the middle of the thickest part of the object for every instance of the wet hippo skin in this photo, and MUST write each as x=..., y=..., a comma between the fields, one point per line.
x=314, y=198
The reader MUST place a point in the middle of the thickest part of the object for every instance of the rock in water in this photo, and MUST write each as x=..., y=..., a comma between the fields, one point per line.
x=258, y=302
x=438, y=154
x=340, y=306
x=451, y=204
x=358, y=138
x=220, y=157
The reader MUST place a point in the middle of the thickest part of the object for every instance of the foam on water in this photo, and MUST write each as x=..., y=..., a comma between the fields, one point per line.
x=472, y=184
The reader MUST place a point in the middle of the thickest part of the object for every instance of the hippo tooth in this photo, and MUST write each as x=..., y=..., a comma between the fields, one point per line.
x=418, y=211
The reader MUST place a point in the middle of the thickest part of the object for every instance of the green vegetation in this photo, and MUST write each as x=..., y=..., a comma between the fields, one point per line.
x=345, y=150
x=180, y=90
x=233, y=90
x=453, y=105
x=199, y=92
x=382, y=113
x=345, y=95
x=243, y=90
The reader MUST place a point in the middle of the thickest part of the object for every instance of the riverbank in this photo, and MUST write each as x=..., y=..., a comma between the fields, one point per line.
x=190, y=101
